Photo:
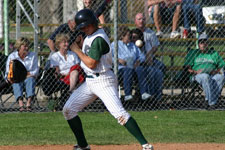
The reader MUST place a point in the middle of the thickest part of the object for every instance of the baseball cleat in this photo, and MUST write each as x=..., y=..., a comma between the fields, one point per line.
x=77, y=147
x=147, y=147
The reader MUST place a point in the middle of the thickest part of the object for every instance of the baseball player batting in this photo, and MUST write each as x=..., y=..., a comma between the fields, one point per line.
x=96, y=61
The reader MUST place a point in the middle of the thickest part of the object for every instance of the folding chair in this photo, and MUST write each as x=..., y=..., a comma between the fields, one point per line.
x=51, y=86
x=5, y=96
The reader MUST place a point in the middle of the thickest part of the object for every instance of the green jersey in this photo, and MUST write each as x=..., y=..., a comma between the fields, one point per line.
x=204, y=61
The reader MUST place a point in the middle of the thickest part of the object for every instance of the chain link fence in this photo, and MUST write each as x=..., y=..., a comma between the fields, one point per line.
x=167, y=81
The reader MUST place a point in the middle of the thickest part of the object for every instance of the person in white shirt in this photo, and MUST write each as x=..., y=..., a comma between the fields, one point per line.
x=66, y=62
x=30, y=61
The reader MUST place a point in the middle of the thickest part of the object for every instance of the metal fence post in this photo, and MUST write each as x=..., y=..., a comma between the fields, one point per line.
x=18, y=15
x=115, y=37
x=6, y=27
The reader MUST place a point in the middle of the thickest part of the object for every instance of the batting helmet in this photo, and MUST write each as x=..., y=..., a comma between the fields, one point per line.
x=85, y=17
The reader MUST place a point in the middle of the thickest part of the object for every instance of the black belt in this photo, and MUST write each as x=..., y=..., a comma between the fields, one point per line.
x=96, y=74
x=91, y=76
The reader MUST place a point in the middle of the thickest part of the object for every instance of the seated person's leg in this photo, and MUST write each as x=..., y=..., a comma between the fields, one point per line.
x=186, y=10
x=218, y=82
x=73, y=79
x=140, y=71
x=158, y=83
x=199, y=17
x=149, y=79
x=176, y=17
x=30, y=90
x=127, y=75
x=151, y=14
x=157, y=19
x=204, y=80
x=18, y=93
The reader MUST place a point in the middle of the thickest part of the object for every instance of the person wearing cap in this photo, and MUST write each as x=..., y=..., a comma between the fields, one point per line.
x=206, y=66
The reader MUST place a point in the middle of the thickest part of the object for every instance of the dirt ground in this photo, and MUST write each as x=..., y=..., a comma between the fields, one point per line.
x=157, y=146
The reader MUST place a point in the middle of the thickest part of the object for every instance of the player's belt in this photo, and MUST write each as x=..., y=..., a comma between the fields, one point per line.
x=96, y=74
x=92, y=76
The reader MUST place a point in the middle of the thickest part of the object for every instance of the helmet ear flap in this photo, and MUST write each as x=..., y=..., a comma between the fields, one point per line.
x=85, y=17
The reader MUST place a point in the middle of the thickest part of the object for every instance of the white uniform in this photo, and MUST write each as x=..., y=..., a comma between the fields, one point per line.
x=100, y=82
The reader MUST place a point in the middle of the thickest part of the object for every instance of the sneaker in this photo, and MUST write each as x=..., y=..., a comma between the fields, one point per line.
x=77, y=147
x=185, y=34
x=174, y=34
x=147, y=147
x=145, y=96
x=159, y=33
x=212, y=107
x=128, y=98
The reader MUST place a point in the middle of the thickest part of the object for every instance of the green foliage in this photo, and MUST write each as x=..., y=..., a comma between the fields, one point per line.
x=102, y=128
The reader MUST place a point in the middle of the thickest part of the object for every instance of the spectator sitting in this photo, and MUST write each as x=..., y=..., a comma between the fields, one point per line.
x=151, y=42
x=195, y=7
x=66, y=63
x=155, y=76
x=130, y=58
x=30, y=61
x=164, y=9
x=67, y=28
x=207, y=65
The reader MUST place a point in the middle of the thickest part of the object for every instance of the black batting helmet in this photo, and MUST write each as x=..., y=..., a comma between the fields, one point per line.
x=85, y=17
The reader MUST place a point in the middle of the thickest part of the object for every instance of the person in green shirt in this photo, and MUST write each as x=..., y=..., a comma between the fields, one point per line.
x=207, y=65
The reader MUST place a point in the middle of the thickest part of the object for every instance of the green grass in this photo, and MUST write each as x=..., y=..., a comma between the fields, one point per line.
x=102, y=128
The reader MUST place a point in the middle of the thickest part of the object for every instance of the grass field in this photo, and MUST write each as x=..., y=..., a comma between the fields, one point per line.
x=102, y=128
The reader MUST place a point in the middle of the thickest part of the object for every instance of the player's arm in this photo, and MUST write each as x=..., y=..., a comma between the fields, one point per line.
x=88, y=61
x=98, y=48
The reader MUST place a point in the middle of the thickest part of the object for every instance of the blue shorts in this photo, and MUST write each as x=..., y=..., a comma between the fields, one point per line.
x=29, y=85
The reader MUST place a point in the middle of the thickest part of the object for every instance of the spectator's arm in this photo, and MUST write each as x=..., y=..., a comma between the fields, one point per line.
x=51, y=45
x=101, y=19
x=191, y=70
x=122, y=62
x=58, y=75
x=154, y=2
x=148, y=58
x=194, y=71
x=141, y=56
x=215, y=71
x=221, y=64
x=137, y=63
x=35, y=68
x=153, y=51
